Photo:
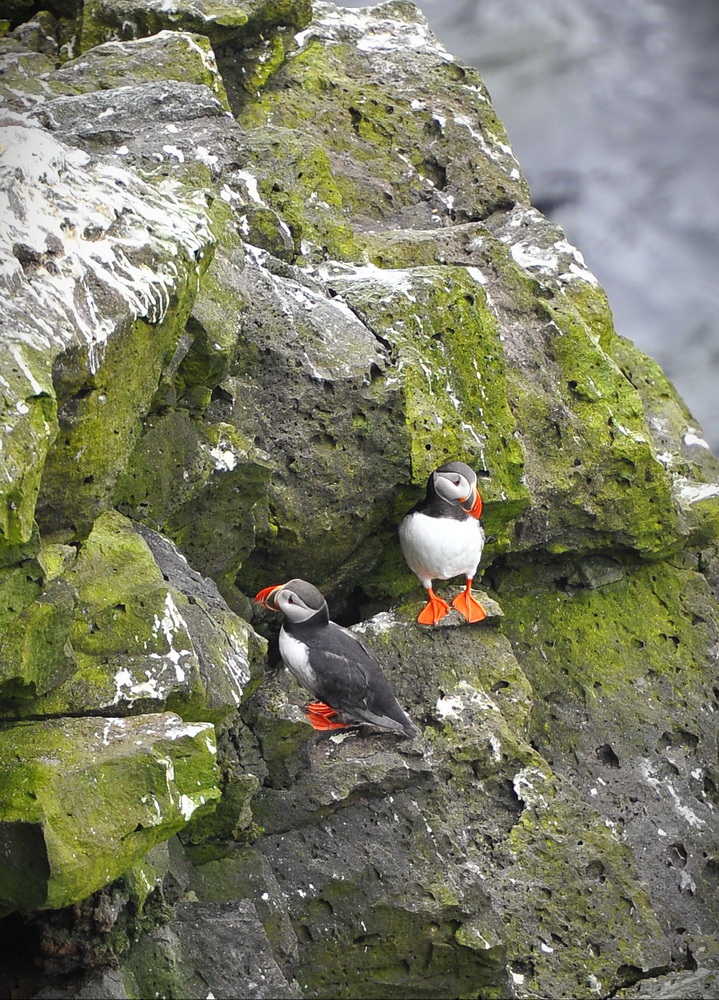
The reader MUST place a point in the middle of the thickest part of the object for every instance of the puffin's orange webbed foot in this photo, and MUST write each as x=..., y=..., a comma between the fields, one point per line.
x=320, y=716
x=468, y=605
x=434, y=610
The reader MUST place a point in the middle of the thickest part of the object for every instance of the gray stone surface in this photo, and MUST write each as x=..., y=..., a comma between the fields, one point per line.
x=211, y=948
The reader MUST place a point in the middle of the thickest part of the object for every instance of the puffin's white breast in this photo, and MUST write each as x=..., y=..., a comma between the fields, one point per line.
x=296, y=656
x=438, y=548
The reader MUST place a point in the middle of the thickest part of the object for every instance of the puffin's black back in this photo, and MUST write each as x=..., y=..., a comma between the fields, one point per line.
x=348, y=675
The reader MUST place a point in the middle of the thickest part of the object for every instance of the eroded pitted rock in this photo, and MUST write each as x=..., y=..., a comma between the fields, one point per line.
x=464, y=852
x=630, y=715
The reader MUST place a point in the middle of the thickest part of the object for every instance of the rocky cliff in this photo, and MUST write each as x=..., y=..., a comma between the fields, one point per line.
x=265, y=265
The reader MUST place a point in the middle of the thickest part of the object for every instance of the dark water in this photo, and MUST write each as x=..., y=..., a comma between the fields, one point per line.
x=613, y=111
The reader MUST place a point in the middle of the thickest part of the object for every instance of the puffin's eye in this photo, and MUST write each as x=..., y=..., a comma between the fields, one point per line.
x=291, y=599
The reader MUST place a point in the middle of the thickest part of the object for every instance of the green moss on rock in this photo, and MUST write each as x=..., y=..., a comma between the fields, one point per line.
x=35, y=655
x=85, y=799
x=208, y=492
x=609, y=437
x=193, y=474
x=296, y=179
x=110, y=635
x=394, y=944
x=608, y=638
x=446, y=349
x=446, y=345
x=397, y=152
x=39, y=33
x=220, y=20
x=583, y=877
x=21, y=580
x=29, y=412
x=100, y=419
x=168, y=55
x=22, y=70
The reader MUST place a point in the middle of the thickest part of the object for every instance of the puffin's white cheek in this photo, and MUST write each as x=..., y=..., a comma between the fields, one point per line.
x=450, y=490
x=292, y=609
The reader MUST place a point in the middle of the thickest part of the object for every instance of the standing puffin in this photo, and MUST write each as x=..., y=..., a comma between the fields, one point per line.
x=332, y=663
x=441, y=537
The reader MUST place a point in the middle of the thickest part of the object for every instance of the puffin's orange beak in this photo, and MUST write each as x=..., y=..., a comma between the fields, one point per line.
x=476, y=509
x=267, y=596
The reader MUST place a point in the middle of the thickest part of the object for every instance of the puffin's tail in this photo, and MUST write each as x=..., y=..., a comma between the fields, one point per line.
x=401, y=724
x=410, y=729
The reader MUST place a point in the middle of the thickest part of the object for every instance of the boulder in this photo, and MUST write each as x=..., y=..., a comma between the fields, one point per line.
x=167, y=55
x=85, y=799
x=127, y=627
x=220, y=20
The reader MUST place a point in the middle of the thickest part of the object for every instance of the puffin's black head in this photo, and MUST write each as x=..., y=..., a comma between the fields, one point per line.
x=456, y=483
x=298, y=600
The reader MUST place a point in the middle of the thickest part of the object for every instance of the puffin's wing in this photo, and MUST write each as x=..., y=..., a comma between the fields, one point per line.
x=344, y=665
x=355, y=638
x=350, y=679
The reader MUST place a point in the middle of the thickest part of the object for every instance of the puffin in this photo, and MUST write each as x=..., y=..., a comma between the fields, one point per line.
x=332, y=663
x=442, y=537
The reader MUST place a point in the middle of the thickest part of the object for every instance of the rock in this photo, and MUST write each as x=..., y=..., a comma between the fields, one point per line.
x=237, y=345
x=39, y=34
x=21, y=85
x=456, y=659
x=361, y=74
x=108, y=986
x=246, y=873
x=702, y=984
x=216, y=948
x=168, y=55
x=220, y=20
x=371, y=825
x=129, y=627
x=88, y=248
x=630, y=715
x=437, y=350
x=85, y=799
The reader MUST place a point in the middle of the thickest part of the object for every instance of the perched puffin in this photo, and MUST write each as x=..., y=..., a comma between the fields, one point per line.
x=333, y=663
x=441, y=537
